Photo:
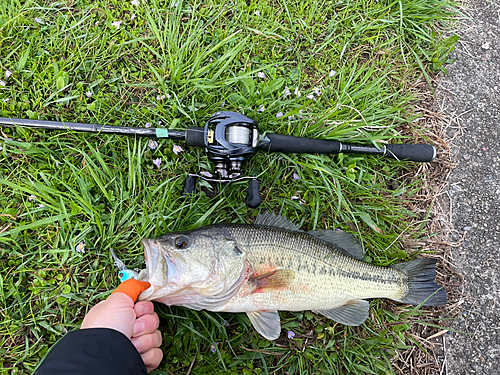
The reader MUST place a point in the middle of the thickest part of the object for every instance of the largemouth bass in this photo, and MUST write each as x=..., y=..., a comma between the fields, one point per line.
x=271, y=265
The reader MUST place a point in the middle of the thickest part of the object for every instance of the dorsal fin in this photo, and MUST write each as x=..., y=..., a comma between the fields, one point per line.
x=272, y=220
x=345, y=242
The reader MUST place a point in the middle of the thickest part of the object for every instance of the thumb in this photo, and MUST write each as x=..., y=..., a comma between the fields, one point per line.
x=132, y=288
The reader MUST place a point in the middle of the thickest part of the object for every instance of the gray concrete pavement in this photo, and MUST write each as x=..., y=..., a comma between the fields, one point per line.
x=470, y=94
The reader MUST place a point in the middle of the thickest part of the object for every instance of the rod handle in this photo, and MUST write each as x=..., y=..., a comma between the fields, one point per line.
x=291, y=144
x=297, y=145
x=412, y=152
x=195, y=136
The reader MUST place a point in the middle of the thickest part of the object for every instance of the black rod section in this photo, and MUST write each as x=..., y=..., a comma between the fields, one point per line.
x=89, y=128
x=291, y=144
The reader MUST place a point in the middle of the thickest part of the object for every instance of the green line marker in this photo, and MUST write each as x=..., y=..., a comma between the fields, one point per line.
x=161, y=133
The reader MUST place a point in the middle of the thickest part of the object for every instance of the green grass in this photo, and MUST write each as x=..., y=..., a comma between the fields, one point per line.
x=59, y=189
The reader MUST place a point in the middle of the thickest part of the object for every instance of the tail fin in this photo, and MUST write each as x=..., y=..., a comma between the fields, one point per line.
x=421, y=285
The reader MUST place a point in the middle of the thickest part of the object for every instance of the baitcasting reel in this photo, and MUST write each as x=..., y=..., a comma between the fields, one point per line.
x=230, y=139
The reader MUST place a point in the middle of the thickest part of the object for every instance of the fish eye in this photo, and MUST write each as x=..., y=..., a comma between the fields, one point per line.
x=181, y=242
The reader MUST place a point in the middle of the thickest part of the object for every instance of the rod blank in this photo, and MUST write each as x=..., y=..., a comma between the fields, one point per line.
x=79, y=127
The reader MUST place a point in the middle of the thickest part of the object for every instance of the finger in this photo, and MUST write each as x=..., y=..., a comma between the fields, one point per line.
x=152, y=358
x=147, y=342
x=119, y=300
x=143, y=308
x=145, y=324
x=132, y=288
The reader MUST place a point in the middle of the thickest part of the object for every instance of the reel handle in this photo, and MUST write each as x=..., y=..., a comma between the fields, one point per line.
x=253, y=199
x=189, y=187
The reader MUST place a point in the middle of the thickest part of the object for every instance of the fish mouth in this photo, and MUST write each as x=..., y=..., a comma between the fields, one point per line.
x=151, y=254
x=160, y=268
x=151, y=257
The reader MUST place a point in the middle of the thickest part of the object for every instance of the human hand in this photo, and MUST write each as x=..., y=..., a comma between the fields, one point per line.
x=137, y=321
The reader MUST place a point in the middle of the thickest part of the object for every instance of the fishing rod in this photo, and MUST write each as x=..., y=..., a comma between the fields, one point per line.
x=229, y=139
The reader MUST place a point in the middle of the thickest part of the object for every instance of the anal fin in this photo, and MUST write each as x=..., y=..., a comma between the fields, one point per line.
x=352, y=313
x=267, y=323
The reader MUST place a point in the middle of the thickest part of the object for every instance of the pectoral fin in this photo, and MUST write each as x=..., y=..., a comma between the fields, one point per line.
x=353, y=313
x=275, y=279
x=267, y=323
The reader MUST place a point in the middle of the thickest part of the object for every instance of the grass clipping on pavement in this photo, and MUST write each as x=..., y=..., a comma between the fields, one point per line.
x=338, y=70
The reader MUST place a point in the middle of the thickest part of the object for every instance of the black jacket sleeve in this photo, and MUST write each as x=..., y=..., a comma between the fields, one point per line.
x=94, y=351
